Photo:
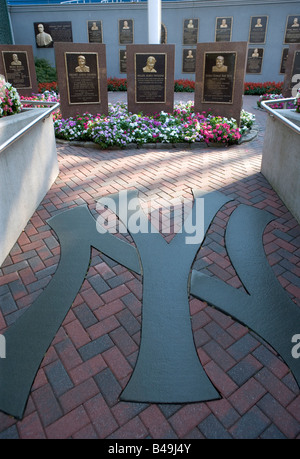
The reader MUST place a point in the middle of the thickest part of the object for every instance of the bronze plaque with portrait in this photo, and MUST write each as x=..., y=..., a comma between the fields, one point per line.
x=82, y=78
x=258, y=29
x=188, y=60
x=47, y=33
x=123, y=60
x=17, y=66
x=292, y=30
x=95, y=31
x=295, y=69
x=125, y=31
x=16, y=69
x=150, y=77
x=223, y=29
x=219, y=77
x=284, y=56
x=254, y=60
x=190, y=31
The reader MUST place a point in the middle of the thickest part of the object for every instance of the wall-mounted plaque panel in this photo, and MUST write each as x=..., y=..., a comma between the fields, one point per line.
x=284, y=56
x=292, y=72
x=123, y=60
x=219, y=79
x=17, y=66
x=47, y=33
x=292, y=29
x=190, y=31
x=223, y=29
x=163, y=34
x=125, y=31
x=82, y=78
x=258, y=29
x=95, y=34
x=254, y=60
x=189, y=60
x=150, y=78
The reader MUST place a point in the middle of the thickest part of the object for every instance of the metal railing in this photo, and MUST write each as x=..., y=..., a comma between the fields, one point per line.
x=276, y=112
x=53, y=106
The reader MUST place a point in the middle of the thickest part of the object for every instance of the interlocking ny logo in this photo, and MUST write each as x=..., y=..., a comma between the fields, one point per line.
x=168, y=369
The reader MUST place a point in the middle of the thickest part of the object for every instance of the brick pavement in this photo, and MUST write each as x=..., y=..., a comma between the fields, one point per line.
x=75, y=393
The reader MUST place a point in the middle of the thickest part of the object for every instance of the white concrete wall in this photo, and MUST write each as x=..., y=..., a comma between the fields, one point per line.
x=281, y=163
x=27, y=170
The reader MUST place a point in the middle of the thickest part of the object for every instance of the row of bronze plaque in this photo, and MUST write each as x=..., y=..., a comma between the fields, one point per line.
x=254, y=60
x=47, y=33
x=82, y=76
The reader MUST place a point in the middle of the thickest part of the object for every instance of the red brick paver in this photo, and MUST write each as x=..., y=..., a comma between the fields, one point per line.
x=260, y=398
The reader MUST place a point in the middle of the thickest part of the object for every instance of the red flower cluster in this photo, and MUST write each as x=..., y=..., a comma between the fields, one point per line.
x=116, y=84
x=48, y=87
x=269, y=87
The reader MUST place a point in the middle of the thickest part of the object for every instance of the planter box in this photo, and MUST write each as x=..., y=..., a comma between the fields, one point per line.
x=281, y=159
x=28, y=167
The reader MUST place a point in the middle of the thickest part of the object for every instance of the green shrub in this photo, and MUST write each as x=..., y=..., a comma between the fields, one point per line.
x=45, y=73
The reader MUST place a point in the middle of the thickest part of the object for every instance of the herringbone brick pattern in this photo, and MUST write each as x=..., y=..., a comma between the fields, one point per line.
x=76, y=390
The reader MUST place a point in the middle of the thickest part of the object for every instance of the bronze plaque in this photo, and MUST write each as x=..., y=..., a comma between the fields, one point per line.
x=82, y=78
x=47, y=33
x=223, y=29
x=16, y=69
x=292, y=29
x=125, y=31
x=123, y=60
x=163, y=34
x=150, y=77
x=284, y=57
x=190, y=31
x=95, y=31
x=258, y=29
x=254, y=60
x=219, y=77
x=188, y=60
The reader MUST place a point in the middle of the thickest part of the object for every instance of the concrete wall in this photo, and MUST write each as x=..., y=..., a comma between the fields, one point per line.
x=28, y=167
x=173, y=15
x=281, y=160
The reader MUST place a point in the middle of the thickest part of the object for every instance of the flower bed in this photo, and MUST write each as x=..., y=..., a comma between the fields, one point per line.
x=274, y=97
x=121, y=128
x=258, y=89
x=10, y=102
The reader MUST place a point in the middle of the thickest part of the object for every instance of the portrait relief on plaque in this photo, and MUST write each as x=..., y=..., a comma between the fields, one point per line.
x=46, y=33
x=190, y=31
x=223, y=28
x=292, y=29
x=219, y=77
x=94, y=31
x=254, y=60
x=16, y=69
x=284, y=56
x=258, y=29
x=125, y=31
x=189, y=60
x=123, y=60
x=82, y=77
x=150, y=77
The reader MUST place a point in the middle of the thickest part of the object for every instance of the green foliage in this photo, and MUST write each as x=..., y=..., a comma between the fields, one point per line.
x=45, y=73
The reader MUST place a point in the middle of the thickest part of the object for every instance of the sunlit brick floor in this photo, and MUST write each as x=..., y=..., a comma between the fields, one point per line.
x=76, y=390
